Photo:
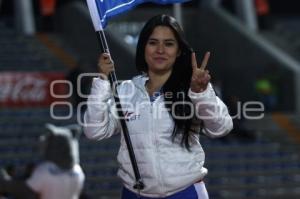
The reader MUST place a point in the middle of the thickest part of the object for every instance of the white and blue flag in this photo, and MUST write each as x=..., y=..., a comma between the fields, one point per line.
x=102, y=10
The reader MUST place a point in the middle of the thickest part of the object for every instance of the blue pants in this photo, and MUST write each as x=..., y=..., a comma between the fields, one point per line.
x=188, y=193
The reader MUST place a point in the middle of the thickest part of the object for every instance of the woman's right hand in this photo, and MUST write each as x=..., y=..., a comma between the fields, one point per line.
x=105, y=64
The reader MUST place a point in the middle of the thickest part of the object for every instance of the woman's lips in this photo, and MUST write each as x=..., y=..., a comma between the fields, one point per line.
x=160, y=59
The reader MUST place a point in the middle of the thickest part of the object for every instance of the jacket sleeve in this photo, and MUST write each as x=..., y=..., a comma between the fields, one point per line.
x=212, y=111
x=100, y=118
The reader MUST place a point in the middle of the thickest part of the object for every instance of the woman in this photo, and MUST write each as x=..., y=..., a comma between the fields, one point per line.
x=164, y=109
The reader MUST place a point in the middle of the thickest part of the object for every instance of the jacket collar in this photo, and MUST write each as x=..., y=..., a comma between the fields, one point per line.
x=140, y=81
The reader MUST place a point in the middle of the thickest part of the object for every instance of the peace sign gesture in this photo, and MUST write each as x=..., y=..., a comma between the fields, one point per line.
x=200, y=77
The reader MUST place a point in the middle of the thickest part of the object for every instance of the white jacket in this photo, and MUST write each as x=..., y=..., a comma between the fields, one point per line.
x=50, y=182
x=165, y=166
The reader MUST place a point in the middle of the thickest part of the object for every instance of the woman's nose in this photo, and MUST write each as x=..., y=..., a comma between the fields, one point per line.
x=160, y=48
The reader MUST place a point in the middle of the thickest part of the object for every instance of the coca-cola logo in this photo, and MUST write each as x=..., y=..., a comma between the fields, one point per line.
x=22, y=89
x=28, y=88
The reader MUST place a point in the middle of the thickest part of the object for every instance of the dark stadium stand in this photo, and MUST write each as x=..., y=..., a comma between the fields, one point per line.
x=285, y=33
x=24, y=53
x=20, y=128
x=255, y=169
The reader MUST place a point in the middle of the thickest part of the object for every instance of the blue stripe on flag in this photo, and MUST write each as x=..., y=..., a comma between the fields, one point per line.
x=109, y=8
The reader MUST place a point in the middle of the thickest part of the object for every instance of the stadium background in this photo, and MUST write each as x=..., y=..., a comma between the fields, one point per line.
x=255, y=57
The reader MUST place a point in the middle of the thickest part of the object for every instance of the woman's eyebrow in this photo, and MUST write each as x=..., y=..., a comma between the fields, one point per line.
x=168, y=40
x=173, y=40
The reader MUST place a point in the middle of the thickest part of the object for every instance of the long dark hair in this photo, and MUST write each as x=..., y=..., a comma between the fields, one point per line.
x=179, y=81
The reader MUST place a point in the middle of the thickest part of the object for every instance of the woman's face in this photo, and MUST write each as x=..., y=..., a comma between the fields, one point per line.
x=161, y=50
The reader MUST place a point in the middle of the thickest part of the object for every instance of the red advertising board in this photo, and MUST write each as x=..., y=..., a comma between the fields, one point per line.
x=28, y=89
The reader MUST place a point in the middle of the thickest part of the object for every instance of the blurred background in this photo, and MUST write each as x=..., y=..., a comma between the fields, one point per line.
x=46, y=44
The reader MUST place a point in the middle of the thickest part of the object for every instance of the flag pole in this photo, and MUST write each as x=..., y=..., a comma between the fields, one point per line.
x=139, y=185
x=177, y=11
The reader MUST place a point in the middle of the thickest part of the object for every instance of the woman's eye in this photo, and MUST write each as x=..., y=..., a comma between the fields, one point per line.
x=151, y=42
x=169, y=44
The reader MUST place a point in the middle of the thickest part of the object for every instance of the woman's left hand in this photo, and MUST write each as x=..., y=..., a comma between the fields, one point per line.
x=200, y=77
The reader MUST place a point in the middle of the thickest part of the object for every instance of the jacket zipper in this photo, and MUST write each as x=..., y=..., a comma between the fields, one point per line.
x=156, y=142
x=161, y=187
